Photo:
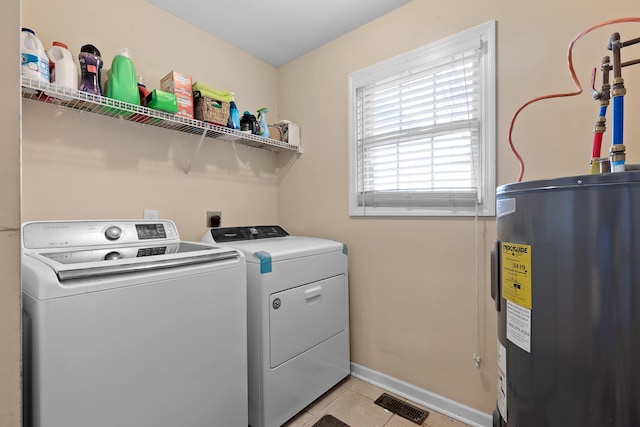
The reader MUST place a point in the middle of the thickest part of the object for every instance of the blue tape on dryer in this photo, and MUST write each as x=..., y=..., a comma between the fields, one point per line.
x=265, y=261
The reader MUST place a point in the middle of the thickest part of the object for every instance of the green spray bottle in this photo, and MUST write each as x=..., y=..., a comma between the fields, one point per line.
x=262, y=118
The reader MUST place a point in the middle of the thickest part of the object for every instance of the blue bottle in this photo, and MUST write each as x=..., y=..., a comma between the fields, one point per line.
x=234, y=116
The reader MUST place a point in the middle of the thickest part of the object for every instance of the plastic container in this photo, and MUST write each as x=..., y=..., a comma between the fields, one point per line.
x=121, y=81
x=262, y=118
x=35, y=63
x=248, y=123
x=90, y=69
x=62, y=68
x=163, y=101
x=234, y=115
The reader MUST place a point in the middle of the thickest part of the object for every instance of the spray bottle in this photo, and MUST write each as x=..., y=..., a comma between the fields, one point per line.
x=262, y=118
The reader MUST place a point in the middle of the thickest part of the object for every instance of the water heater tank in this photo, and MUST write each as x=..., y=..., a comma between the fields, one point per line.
x=566, y=285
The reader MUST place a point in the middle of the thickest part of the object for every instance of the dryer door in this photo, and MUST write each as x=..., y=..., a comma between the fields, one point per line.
x=305, y=316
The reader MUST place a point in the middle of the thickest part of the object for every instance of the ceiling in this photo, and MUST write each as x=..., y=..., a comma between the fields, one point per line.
x=278, y=31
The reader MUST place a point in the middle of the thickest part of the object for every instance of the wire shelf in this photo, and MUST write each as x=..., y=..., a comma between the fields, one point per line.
x=87, y=102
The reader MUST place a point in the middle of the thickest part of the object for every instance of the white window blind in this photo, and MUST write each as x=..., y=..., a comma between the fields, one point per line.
x=419, y=143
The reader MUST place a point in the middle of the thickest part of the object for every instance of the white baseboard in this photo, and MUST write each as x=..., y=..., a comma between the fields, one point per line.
x=422, y=397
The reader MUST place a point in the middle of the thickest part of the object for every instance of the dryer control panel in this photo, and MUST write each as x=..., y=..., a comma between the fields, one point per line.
x=235, y=234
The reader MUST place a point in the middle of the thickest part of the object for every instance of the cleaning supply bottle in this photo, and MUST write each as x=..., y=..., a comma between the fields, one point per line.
x=248, y=123
x=35, y=63
x=234, y=115
x=62, y=68
x=121, y=81
x=143, y=92
x=90, y=69
x=262, y=118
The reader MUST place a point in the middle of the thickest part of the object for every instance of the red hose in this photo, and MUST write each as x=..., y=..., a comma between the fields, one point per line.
x=597, y=144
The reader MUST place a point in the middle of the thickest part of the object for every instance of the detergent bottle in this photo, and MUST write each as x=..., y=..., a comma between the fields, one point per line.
x=35, y=63
x=234, y=115
x=143, y=92
x=90, y=69
x=62, y=71
x=262, y=118
x=121, y=81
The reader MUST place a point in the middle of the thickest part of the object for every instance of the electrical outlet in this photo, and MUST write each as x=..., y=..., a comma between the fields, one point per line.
x=214, y=218
x=150, y=214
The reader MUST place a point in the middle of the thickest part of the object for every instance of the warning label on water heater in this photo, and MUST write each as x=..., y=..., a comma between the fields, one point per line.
x=502, y=380
x=516, y=273
x=519, y=326
x=516, y=289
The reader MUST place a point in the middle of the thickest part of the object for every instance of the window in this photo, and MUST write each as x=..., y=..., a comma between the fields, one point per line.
x=422, y=130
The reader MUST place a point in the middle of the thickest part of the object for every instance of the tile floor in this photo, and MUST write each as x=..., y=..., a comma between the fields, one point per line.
x=351, y=401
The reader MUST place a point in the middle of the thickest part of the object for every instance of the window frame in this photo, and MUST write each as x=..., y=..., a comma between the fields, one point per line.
x=484, y=34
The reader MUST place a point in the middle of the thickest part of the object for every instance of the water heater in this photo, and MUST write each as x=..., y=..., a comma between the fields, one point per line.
x=566, y=285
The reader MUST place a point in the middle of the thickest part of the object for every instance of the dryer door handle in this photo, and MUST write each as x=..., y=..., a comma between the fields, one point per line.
x=314, y=292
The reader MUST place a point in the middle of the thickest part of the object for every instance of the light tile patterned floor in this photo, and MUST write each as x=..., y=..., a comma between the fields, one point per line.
x=351, y=401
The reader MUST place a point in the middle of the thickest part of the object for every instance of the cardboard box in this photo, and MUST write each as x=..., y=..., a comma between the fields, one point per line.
x=180, y=85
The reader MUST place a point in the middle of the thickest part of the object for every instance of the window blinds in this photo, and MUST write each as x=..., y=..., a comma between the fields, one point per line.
x=417, y=134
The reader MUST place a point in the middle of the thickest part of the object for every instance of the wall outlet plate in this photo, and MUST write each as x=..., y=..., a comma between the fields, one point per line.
x=150, y=214
x=214, y=218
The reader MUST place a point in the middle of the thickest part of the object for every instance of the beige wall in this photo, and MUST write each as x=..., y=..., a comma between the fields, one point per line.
x=413, y=281
x=10, y=412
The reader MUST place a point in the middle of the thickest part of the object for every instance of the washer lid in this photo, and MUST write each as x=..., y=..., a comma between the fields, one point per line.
x=105, y=261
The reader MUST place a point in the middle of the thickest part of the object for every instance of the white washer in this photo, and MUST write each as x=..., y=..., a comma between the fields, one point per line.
x=125, y=325
x=298, y=318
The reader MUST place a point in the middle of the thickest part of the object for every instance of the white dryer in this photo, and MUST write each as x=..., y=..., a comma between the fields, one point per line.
x=126, y=325
x=298, y=318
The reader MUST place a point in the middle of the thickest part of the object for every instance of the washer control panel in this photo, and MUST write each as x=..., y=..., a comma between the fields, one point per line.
x=62, y=234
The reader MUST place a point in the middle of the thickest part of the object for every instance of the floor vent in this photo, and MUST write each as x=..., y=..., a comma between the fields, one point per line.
x=401, y=408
